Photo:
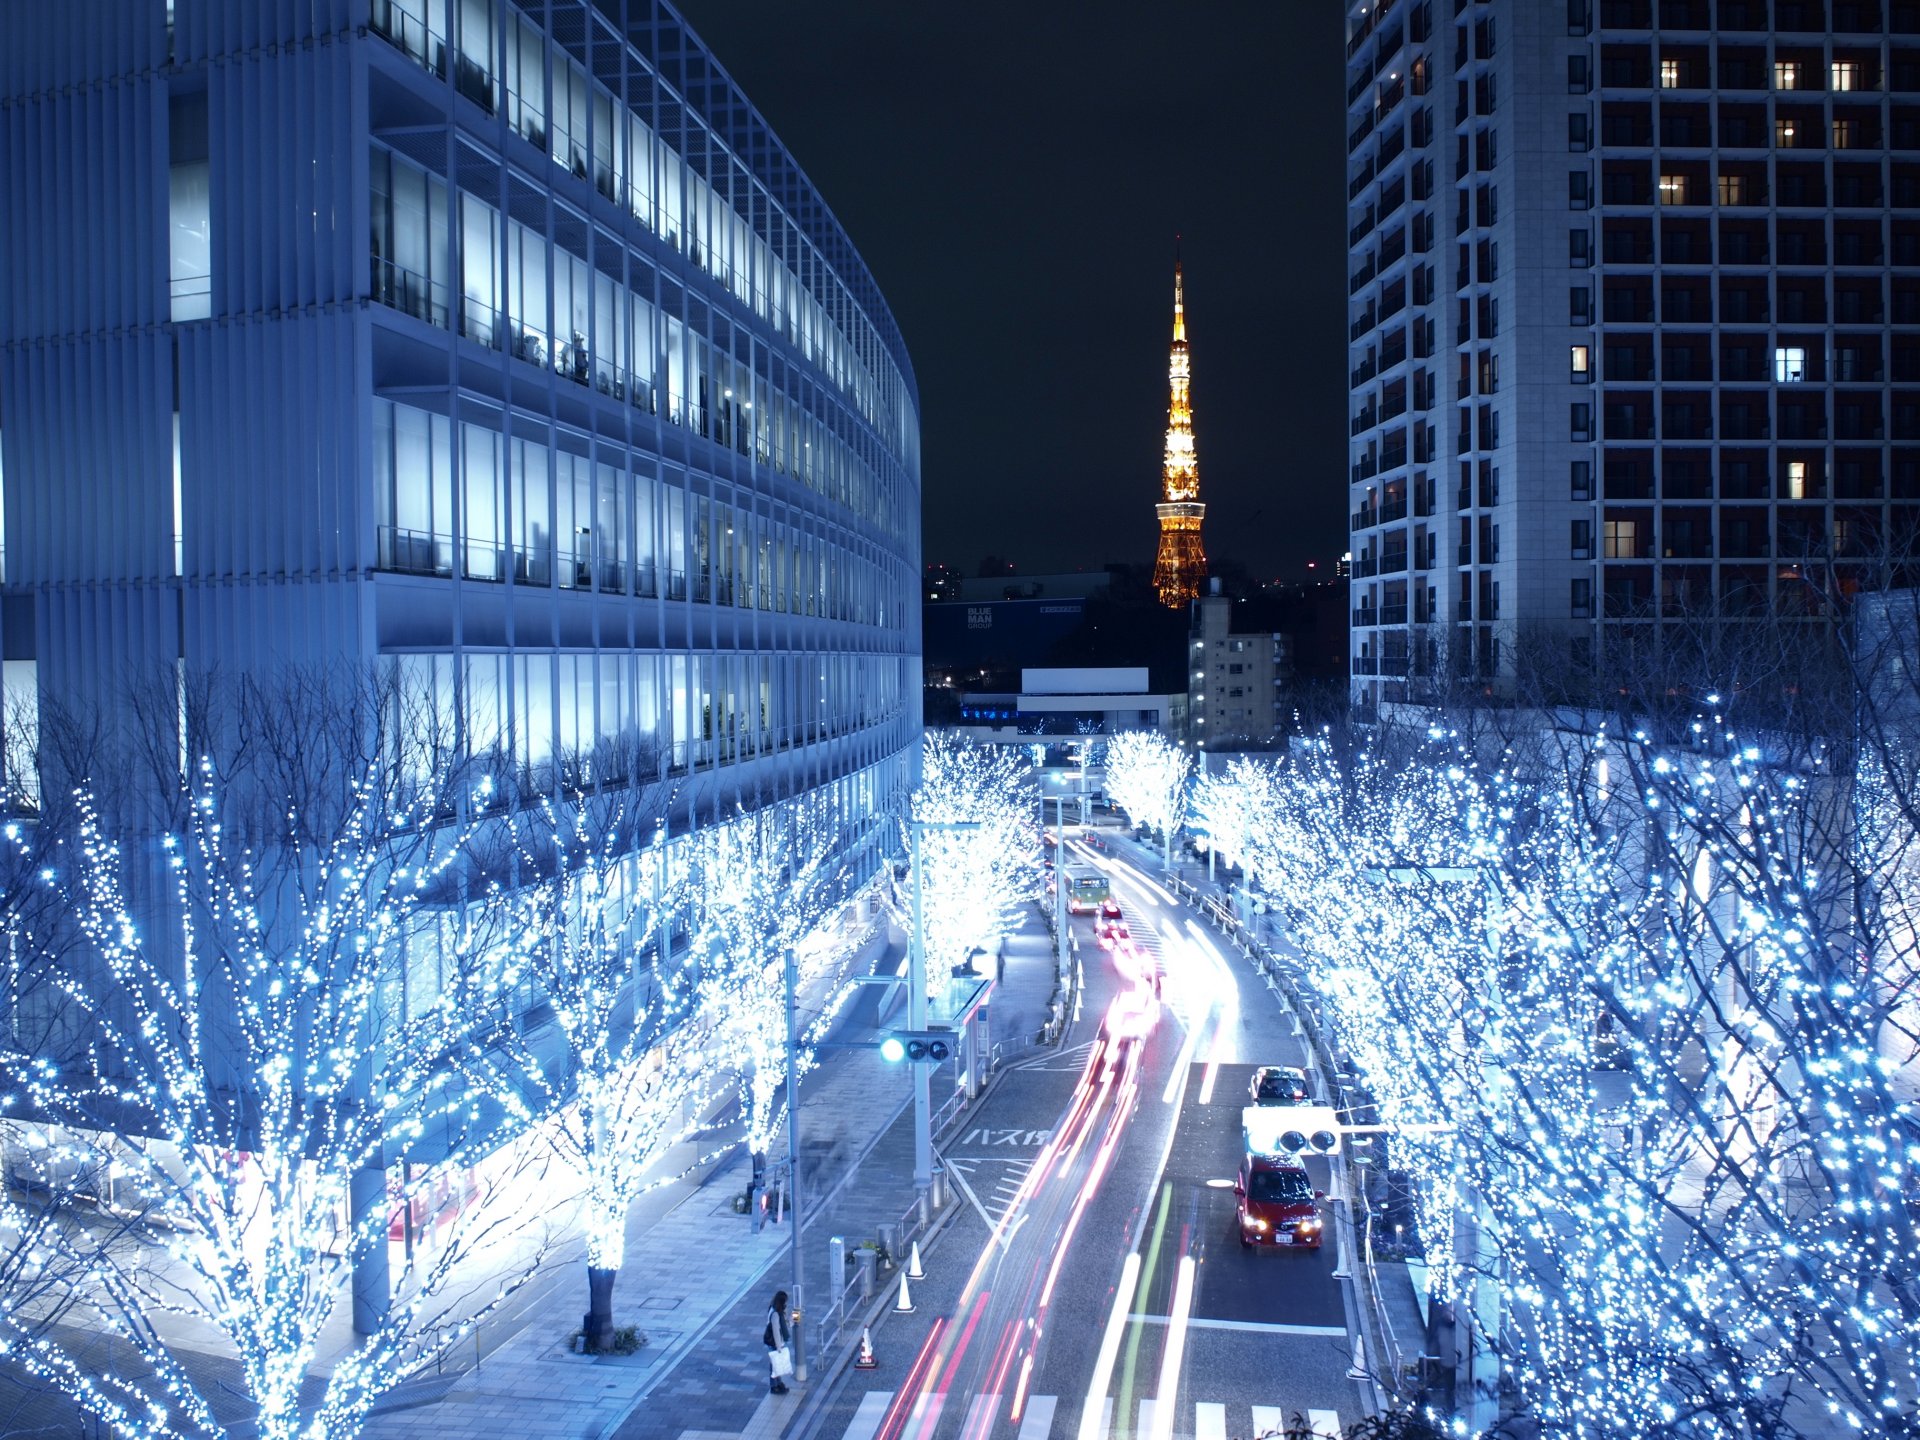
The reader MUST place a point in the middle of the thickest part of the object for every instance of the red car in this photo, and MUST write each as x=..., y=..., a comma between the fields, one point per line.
x=1277, y=1204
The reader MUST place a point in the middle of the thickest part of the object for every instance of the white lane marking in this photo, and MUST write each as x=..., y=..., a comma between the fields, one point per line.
x=1269, y=1420
x=1259, y=1327
x=1325, y=1424
x=1209, y=1421
x=1144, y=1428
x=866, y=1420
x=972, y=1199
x=1038, y=1424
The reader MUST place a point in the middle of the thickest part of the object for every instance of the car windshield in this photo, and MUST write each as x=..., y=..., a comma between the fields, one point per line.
x=1275, y=1087
x=1276, y=1187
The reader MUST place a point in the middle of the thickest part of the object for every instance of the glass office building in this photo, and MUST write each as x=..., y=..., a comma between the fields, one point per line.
x=501, y=344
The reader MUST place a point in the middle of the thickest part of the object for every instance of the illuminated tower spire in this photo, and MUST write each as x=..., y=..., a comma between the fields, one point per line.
x=1181, y=564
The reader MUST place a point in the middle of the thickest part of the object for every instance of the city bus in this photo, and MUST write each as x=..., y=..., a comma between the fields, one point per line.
x=1087, y=891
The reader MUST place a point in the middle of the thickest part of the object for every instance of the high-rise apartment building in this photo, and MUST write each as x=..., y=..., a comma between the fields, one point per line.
x=500, y=345
x=1635, y=325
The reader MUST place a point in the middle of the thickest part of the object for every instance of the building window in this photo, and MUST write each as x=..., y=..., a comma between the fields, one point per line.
x=189, y=207
x=1789, y=364
x=1579, y=305
x=1579, y=190
x=1786, y=135
x=1580, y=484
x=1580, y=362
x=1580, y=421
x=1582, y=599
x=1845, y=134
x=1620, y=539
x=1846, y=75
x=1673, y=189
x=1796, y=479
x=1579, y=75
x=1669, y=74
x=1577, y=136
x=1582, y=544
x=1733, y=189
x=1579, y=249
x=1786, y=74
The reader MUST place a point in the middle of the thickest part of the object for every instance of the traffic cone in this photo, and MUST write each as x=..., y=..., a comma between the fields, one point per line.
x=914, y=1272
x=866, y=1360
x=903, y=1306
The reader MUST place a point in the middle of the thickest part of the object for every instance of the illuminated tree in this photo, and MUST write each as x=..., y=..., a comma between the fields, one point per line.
x=254, y=1086
x=1628, y=979
x=1147, y=777
x=973, y=822
x=763, y=882
x=633, y=1073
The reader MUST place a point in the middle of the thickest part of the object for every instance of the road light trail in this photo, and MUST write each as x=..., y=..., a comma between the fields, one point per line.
x=1175, y=1352
x=1092, y=1414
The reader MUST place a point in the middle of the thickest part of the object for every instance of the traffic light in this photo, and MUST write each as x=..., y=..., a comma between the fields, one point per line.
x=1291, y=1129
x=931, y=1046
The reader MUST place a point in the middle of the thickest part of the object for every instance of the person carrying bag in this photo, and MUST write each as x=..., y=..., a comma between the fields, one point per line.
x=779, y=1344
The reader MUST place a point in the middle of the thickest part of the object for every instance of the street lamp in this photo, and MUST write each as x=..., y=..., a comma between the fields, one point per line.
x=917, y=1016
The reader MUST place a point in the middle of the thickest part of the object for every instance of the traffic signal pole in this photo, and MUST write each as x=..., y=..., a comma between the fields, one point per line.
x=917, y=1020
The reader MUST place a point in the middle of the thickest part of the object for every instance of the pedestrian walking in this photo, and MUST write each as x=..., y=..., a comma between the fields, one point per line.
x=779, y=1344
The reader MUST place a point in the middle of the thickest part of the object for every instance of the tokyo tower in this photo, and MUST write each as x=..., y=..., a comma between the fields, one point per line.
x=1181, y=564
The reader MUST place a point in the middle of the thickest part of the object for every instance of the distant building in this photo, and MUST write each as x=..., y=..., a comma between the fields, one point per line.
x=1237, y=682
x=1101, y=700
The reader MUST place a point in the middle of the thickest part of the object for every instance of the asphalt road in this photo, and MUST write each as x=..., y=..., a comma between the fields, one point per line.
x=1108, y=1161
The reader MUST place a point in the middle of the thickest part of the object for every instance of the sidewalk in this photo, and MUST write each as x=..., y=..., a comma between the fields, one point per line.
x=697, y=1280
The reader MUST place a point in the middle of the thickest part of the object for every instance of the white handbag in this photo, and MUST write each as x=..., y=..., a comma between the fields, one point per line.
x=782, y=1362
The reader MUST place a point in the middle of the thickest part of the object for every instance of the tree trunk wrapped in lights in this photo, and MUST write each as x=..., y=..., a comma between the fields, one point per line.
x=1652, y=987
x=261, y=1089
x=973, y=822
x=635, y=1073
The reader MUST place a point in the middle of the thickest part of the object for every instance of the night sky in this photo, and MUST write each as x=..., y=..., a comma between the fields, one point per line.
x=1014, y=175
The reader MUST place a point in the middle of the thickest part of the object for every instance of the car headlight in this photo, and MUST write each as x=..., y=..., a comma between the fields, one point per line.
x=1254, y=1222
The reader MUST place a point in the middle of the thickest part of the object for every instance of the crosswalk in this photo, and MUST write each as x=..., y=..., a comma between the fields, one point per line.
x=982, y=1416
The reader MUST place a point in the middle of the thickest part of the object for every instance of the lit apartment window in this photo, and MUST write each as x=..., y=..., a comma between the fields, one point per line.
x=1789, y=364
x=1845, y=134
x=1618, y=536
x=1669, y=74
x=1733, y=189
x=1846, y=75
x=1796, y=479
x=1785, y=134
x=1786, y=74
x=1673, y=189
x=1582, y=365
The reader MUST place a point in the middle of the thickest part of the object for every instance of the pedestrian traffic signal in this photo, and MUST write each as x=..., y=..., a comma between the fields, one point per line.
x=1291, y=1129
x=931, y=1046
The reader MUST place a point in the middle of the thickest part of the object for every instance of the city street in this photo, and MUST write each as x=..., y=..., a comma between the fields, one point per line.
x=1107, y=1167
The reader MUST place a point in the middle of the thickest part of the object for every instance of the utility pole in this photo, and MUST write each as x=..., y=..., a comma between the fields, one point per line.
x=793, y=1166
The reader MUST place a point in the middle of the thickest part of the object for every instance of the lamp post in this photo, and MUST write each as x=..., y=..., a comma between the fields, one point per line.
x=1060, y=887
x=1477, y=1356
x=917, y=1011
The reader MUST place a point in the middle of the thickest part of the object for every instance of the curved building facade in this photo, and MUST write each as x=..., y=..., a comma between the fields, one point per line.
x=501, y=344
